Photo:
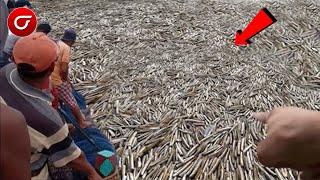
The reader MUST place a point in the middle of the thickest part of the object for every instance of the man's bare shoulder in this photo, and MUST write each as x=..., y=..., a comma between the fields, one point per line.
x=63, y=46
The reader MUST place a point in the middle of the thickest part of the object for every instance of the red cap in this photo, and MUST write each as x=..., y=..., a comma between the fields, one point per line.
x=37, y=50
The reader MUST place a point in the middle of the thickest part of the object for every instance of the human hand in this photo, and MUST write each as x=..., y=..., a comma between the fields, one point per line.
x=71, y=128
x=84, y=124
x=293, y=139
x=94, y=176
x=310, y=175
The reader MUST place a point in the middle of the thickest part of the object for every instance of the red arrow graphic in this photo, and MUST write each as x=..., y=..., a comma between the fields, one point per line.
x=262, y=20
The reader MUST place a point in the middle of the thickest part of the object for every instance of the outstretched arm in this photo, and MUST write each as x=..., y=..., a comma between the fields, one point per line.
x=81, y=164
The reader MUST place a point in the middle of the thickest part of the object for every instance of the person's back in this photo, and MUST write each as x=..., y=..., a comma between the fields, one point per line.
x=15, y=145
x=64, y=57
x=60, y=76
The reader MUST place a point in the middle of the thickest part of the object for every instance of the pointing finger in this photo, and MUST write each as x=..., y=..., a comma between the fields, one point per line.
x=261, y=116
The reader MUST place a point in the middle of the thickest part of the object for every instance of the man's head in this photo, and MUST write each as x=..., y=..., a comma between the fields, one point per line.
x=35, y=56
x=22, y=3
x=44, y=27
x=69, y=37
x=11, y=5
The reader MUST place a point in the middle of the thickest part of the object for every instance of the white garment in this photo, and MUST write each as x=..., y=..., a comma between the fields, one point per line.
x=10, y=42
x=43, y=175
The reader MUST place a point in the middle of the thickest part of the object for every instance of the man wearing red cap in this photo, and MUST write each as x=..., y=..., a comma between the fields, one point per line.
x=24, y=87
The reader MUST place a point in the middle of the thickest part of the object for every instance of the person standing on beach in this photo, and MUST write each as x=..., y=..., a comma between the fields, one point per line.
x=60, y=76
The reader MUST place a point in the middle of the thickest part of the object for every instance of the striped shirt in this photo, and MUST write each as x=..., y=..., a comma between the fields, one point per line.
x=48, y=132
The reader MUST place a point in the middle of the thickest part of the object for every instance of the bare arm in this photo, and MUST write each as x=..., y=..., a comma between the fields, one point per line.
x=15, y=145
x=81, y=164
x=64, y=67
x=64, y=71
x=293, y=139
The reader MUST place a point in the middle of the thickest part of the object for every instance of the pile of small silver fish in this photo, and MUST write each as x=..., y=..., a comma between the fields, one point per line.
x=167, y=85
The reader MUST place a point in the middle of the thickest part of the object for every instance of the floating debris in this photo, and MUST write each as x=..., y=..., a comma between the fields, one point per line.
x=169, y=88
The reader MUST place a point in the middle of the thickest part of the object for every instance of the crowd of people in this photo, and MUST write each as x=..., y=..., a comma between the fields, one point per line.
x=39, y=107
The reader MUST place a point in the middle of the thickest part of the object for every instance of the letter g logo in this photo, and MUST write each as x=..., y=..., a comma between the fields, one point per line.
x=22, y=22
x=26, y=23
